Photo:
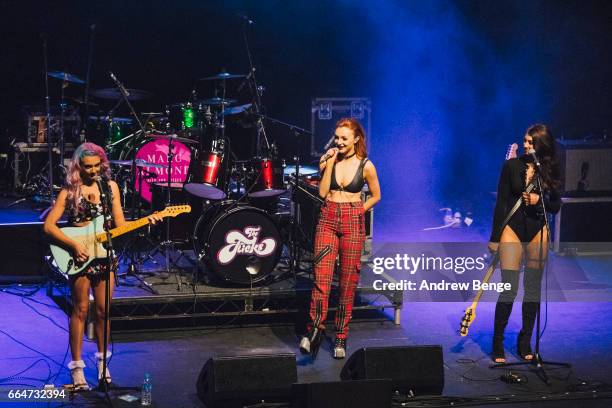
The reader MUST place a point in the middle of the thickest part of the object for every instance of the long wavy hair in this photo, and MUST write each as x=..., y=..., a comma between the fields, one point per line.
x=353, y=124
x=73, y=176
x=546, y=152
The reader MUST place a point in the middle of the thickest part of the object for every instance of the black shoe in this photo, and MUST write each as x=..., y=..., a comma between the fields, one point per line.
x=523, y=346
x=339, y=348
x=311, y=342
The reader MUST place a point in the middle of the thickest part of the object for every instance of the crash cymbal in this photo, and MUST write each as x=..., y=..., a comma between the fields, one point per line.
x=114, y=93
x=221, y=76
x=106, y=118
x=173, y=137
x=304, y=170
x=216, y=101
x=80, y=101
x=65, y=76
x=234, y=110
x=139, y=163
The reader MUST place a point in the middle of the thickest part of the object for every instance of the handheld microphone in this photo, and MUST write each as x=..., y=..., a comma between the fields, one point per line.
x=327, y=156
x=119, y=84
x=532, y=153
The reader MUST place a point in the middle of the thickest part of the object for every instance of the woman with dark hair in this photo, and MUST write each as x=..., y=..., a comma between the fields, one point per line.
x=525, y=234
x=80, y=199
x=340, y=231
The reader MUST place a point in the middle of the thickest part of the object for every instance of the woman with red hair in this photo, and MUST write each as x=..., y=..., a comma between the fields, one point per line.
x=341, y=231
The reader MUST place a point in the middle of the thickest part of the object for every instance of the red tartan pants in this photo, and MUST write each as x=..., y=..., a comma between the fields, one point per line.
x=342, y=228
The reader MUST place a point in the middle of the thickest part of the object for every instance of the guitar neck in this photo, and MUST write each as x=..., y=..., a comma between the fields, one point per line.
x=124, y=229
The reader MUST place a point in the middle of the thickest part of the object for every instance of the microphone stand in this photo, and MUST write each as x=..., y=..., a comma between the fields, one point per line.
x=537, y=361
x=48, y=120
x=106, y=200
x=256, y=91
x=294, y=251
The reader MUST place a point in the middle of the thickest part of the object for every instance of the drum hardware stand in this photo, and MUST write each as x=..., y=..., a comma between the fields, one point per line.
x=537, y=361
x=85, y=117
x=168, y=244
x=135, y=261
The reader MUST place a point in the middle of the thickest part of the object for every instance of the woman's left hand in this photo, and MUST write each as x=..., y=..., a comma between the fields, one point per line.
x=530, y=198
x=155, y=218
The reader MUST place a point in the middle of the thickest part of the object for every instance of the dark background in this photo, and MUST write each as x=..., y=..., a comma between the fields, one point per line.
x=452, y=82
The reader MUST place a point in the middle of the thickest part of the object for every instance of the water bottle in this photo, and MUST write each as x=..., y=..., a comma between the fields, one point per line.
x=147, y=388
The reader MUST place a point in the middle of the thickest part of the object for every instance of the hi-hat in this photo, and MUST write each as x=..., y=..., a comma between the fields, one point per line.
x=234, y=110
x=216, y=101
x=222, y=76
x=65, y=76
x=172, y=137
x=139, y=163
x=114, y=93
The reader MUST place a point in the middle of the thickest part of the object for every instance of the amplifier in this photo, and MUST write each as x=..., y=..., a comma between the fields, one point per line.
x=586, y=168
x=583, y=225
x=325, y=112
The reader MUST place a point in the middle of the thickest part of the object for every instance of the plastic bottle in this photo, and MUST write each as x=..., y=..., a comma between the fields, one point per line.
x=146, y=393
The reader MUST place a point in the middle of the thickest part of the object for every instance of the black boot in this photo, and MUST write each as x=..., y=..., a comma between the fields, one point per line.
x=523, y=346
x=502, y=314
x=311, y=342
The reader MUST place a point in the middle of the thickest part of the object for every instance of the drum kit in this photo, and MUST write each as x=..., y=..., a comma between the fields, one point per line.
x=183, y=154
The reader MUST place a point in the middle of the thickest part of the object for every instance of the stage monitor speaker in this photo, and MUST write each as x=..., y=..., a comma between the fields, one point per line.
x=354, y=394
x=585, y=168
x=228, y=382
x=419, y=369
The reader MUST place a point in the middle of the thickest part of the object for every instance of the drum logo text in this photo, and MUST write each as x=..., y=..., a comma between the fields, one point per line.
x=239, y=243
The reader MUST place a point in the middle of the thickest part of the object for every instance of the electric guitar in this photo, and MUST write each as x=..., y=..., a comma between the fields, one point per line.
x=470, y=313
x=93, y=237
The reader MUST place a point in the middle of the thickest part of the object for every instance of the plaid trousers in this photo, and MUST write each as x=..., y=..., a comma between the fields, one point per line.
x=342, y=228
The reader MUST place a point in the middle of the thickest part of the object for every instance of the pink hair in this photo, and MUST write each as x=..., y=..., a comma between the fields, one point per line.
x=73, y=175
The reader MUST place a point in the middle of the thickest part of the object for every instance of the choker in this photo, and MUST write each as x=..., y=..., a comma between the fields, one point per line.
x=348, y=157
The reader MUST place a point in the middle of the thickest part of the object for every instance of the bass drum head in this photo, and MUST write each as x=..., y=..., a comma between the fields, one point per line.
x=241, y=244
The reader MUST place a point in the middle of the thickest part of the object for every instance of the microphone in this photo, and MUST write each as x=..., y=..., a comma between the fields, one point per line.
x=247, y=20
x=532, y=153
x=119, y=84
x=329, y=143
x=327, y=155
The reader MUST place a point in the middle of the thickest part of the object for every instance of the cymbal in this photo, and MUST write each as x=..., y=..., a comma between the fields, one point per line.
x=81, y=101
x=139, y=163
x=216, y=101
x=222, y=76
x=173, y=137
x=234, y=110
x=305, y=170
x=68, y=77
x=114, y=93
x=106, y=118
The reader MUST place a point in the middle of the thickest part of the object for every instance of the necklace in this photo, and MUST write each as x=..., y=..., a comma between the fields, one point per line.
x=348, y=157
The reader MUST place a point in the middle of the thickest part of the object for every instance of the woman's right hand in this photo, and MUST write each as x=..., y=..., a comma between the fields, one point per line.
x=493, y=247
x=80, y=252
x=330, y=155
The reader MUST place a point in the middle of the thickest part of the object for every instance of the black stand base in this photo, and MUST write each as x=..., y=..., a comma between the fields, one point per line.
x=536, y=364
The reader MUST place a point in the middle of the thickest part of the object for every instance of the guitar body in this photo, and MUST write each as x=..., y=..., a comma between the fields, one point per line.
x=86, y=235
x=92, y=236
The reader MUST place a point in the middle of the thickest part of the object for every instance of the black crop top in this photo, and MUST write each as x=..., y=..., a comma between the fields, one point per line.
x=509, y=190
x=355, y=185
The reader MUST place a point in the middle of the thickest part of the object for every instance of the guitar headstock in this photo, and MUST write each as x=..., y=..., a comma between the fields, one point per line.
x=511, y=152
x=466, y=321
x=174, y=210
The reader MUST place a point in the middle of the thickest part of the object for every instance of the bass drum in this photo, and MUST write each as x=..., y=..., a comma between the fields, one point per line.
x=240, y=244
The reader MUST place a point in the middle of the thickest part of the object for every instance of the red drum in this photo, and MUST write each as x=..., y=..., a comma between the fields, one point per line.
x=156, y=152
x=206, y=176
x=266, y=178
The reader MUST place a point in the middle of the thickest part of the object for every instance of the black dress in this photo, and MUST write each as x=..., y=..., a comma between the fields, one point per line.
x=527, y=221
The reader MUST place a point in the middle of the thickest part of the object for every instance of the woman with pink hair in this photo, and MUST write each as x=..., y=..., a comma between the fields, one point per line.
x=80, y=200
